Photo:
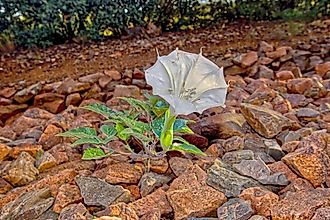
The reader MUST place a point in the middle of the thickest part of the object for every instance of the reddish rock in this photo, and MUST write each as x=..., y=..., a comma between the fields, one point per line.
x=4, y=186
x=75, y=212
x=261, y=200
x=300, y=205
x=261, y=95
x=114, y=74
x=73, y=99
x=155, y=215
x=309, y=162
x=197, y=140
x=322, y=214
x=280, y=52
x=27, y=94
x=121, y=211
x=4, y=151
x=265, y=60
x=299, y=86
x=67, y=194
x=234, y=70
x=159, y=165
x=46, y=161
x=322, y=69
x=265, y=47
x=290, y=146
x=126, y=91
x=91, y=78
x=47, y=97
x=156, y=201
x=284, y=75
x=104, y=81
x=138, y=74
x=61, y=152
x=4, y=101
x=32, y=149
x=51, y=181
x=280, y=167
x=190, y=196
x=248, y=59
x=121, y=173
x=180, y=165
x=215, y=150
x=8, y=111
x=135, y=191
x=7, y=92
x=49, y=139
x=70, y=86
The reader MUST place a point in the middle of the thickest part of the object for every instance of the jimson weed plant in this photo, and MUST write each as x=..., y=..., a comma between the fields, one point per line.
x=182, y=83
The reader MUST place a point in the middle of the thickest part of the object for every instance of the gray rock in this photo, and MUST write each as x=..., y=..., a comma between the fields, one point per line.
x=75, y=212
x=276, y=179
x=29, y=205
x=258, y=217
x=235, y=209
x=49, y=215
x=97, y=192
x=222, y=178
x=151, y=181
x=237, y=156
x=274, y=149
x=307, y=113
x=256, y=169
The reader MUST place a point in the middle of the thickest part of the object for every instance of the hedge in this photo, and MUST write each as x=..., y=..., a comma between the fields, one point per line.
x=42, y=23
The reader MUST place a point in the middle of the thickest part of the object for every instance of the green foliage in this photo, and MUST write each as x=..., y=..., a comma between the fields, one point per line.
x=44, y=23
x=146, y=122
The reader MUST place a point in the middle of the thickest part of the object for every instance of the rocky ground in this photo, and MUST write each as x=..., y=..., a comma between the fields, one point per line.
x=268, y=151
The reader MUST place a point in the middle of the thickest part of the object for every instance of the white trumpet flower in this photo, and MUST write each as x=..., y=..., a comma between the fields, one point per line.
x=188, y=82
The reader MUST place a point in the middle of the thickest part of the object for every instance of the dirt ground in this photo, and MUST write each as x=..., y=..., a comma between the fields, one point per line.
x=73, y=60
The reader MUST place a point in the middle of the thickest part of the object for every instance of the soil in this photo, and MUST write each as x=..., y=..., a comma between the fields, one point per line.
x=74, y=60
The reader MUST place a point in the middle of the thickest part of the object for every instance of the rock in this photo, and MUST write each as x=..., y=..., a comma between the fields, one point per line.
x=27, y=94
x=21, y=171
x=4, y=101
x=155, y=215
x=75, y=212
x=51, y=181
x=121, y=211
x=261, y=200
x=4, y=186
x=322, y=214
x=120, y=173
x=247, y=59
x=273, y=149
x=67, y=194
x=299, y=86
x=256, y=169
x=29, y=205
x=70, y=86
x=45, y=162
x=265, y=72
x=191, y=197
x=49, y=139
x=126, y=91
x=257, y=217
x=7, y=92
x=156, y=201
x=322, y=69
x=296, y=185
x=234, y=157
x=224, y=125
x=197, y=140
x=91, y=78
x=280, y=167
x=280, y=52
x=234, y=70
x=151, y=181
x=179, y=165
x=8, y=111
x=138, y=74
x=235, y=209
x=40, y=99
x=114, y=74
x=97, y=192
x=104, y=81
x=49, y=215
x=220, y=177
x=265, y=47
x=32, y=149
x=233, y=144
x=309, y=162
x=298, y=100
x=291, y=146
x=300, y=205
x=266, y=122
x=307, y=114
x=284, y=75
x=288, y=136
x=73, y=99
x=159, y=165
x=4, y=151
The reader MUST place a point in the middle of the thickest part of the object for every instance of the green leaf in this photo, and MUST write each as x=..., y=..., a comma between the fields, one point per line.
x=108, y=130
x=88, y=140
x=100, y=109
x=189, y=148
x=137, y=104
x=79, y=133
x=119, y=128
x=138, y=126
x=157, y=126
x=166, y=137
x=177, y=138
x=130, y=132
x=94, y=153
x=180, y=126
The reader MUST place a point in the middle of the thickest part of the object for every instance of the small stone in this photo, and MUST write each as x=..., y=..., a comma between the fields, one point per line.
x=280, y=167
x=299, y=86
x=151, y=181
x=265, y=47
x=233, y=157
x=261, y=200
x=300, y=205
x=32, y=149
x=156, y=201
x=322, y=69
x=4, y=186
x=256, y=169
x=197, y=140
x=121, y=211
x=322, y=214
x=75, y=212
x=40, y=99
x=70, y=86
x=104, y=81
x=7, y=92
x=8, y=111
x=248, y=59
x=91, y=78
x=258, y=217
x=4, y=101
x=233, y=144
x=235, y=209
x=159, y=165
x=179, y=165
x=29, y=205
x=220, y=177
x=27, y=94
x=21, y=171
x=126, y=91
x=67, y=194
x=97, y=192
x=55, y=106
x=114, y=74
x=45, y=162
x=273, y=149
x=309, y=162
x=265, y=72
x=296, y=185
x=49, y=139
x=284, y=75
x=307, y=114
x=280, y=52
x=4, y=151
x=73, y=99
x=191, y=197
x=138, y=74
x=155, y=215
x=234, y=70
x=266, y=122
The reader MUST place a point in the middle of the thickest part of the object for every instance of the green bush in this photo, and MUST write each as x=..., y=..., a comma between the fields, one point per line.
x=46, y=22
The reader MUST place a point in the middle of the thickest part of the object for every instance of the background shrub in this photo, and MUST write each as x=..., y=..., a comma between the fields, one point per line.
x=43, y=23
